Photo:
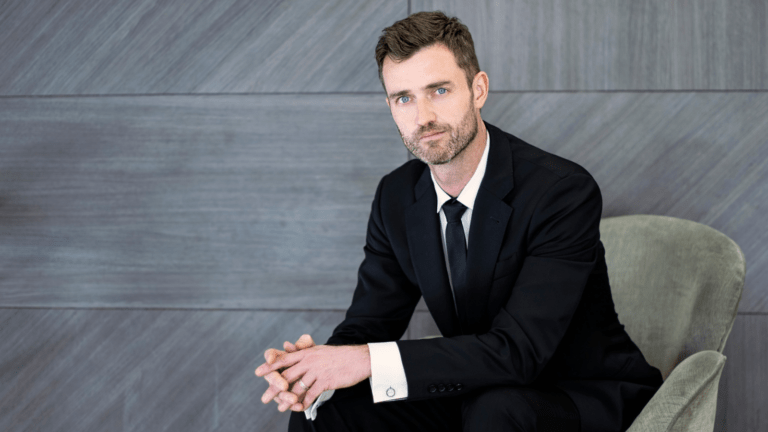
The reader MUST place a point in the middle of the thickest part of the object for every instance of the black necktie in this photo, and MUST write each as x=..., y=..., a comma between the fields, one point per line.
x=456, y=244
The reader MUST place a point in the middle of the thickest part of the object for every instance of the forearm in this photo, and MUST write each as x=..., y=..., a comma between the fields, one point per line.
x=520, y=341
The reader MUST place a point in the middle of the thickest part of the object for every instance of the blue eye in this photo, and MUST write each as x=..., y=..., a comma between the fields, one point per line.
x=441, y=90
x=404, y=99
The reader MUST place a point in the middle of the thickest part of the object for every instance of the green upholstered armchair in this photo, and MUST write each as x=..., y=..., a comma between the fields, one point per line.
x=676, y=285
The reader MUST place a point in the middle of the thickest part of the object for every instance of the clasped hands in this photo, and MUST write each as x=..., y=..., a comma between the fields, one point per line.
x=318, y=367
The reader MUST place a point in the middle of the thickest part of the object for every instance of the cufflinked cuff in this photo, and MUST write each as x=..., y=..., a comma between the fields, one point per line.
x=388, y=381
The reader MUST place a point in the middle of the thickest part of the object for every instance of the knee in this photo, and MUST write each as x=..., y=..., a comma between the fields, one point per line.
x=299, y=423
x=499, y=409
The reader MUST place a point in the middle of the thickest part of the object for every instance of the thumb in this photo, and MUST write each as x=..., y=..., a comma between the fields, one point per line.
x=289, y=347
x=271, y=355
x=304, y=342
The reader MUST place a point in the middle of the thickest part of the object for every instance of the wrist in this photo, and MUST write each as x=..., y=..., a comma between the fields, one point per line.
x=366, y=360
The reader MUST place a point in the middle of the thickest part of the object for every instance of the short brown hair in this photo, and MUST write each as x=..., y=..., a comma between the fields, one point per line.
x=402, y=39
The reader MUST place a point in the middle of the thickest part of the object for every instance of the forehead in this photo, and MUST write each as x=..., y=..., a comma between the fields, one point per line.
x=428, y=65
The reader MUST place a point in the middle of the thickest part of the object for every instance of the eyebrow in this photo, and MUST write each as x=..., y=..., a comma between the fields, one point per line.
x=427, y=87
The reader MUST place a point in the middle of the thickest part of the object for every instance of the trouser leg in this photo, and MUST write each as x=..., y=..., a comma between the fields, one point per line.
x=540, y=409
x=353, y=410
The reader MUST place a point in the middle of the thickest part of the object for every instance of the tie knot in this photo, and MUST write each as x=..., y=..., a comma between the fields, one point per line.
x=453, y=210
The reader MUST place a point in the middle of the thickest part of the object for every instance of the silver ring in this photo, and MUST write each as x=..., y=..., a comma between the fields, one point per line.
x=304, y=386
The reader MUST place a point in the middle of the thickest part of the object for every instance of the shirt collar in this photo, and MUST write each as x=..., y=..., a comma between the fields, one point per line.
x=469, y=193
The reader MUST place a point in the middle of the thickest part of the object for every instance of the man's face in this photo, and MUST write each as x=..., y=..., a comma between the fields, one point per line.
x=431, y=104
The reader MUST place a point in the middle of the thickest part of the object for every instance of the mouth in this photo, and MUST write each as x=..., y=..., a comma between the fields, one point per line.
x=431, y=135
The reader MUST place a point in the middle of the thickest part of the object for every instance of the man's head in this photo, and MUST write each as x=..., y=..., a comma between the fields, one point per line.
x=402, y=39
x=434, y=85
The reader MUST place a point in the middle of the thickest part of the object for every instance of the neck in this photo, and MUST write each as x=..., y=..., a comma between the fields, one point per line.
x=454, y=175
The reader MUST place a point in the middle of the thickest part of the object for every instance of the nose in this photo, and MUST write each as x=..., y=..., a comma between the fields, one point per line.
x=426, y=112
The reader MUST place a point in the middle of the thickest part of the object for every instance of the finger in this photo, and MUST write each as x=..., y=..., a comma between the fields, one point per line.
x=282, y=406
x=266, y=368
x=289, y=398
x=294, y=373
x=271, y=355
x=300, y=390
x=283, y=360
x=269, y=395
x=298, y=403
x=277, y=381
x=286, y=360
x=304, y=342
x=311, y=395
x=262, y=370
x=289, y=347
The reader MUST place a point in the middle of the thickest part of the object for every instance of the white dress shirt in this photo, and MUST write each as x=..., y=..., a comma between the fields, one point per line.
x=387, y=379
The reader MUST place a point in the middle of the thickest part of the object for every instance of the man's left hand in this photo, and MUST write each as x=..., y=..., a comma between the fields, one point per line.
x=321, y=368
x=278, y=386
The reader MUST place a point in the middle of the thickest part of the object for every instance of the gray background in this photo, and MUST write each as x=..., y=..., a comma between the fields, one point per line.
x=186, y=183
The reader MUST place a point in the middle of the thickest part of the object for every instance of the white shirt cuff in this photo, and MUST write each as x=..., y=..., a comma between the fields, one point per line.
x=311, y=412
x=387, y=380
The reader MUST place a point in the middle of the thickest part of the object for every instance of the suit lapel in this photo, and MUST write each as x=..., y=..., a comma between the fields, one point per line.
x=490, y=217
x=426, y=248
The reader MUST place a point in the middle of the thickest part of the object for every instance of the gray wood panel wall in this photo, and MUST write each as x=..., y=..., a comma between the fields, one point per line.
x=185, y=183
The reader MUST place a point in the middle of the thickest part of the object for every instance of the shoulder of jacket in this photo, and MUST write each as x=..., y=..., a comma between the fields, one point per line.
x=530, y=157
x=404, y=176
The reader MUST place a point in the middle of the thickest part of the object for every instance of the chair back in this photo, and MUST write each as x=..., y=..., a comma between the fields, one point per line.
x=676, y=285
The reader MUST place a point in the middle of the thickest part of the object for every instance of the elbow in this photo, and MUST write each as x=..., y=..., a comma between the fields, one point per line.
x=521, y=361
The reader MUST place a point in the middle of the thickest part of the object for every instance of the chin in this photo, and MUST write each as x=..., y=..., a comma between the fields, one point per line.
x=435, y=159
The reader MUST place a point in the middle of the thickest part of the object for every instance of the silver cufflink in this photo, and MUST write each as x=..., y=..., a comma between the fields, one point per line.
x=390, y=392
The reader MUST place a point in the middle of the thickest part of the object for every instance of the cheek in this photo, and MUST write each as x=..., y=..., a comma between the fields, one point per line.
x=451, y=111
x=403, y=120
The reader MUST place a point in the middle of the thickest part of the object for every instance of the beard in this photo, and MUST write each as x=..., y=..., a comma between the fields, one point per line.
x=436, y=152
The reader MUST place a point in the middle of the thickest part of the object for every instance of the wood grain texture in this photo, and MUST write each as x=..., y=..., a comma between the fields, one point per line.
x=132, y=370
x=616, y=45
x=743, y=388
x=128, y=370
x=180, y=201
x=79, y=47
x=696, y=156
x=226, y=201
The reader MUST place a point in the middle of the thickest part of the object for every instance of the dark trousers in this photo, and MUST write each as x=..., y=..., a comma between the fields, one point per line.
x=542, y=409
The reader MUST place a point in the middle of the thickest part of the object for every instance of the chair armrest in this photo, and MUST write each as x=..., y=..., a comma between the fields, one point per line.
x=687, y=401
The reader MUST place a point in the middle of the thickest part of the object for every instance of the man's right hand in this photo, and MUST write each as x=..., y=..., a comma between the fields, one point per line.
x=278, y=386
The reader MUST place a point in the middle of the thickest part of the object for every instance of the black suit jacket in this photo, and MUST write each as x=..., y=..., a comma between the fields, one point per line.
x=539, y=306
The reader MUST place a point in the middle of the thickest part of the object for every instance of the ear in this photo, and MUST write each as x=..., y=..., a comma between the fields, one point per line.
x=387, y=99
x=480, y=89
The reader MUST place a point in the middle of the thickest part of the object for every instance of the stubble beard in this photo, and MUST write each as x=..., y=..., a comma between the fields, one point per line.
x=437, y=153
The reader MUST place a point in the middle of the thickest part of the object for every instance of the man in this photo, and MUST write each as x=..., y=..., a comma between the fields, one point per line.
x=502, y=240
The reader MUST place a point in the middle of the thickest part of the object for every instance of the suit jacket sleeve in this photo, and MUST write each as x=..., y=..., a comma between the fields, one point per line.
x=384, y=298
x=562, y=244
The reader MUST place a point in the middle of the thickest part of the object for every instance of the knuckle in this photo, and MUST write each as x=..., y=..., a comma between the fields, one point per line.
x=270, y=378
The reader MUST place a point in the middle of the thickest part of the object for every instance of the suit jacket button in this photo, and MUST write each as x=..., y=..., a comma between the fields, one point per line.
x=459, y=387
x=432, y=388
x=451, y=387
x=441, y=388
